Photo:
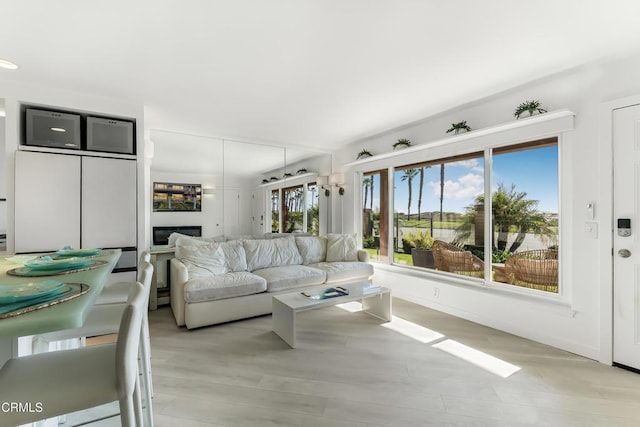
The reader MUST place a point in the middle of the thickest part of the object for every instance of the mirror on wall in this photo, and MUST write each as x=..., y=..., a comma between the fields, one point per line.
x=246, y=165
x=3, y=182
x=247, y=188
x=187, y=175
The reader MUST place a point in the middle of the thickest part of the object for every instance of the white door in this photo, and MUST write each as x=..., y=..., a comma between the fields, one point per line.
x=626, y=250
x=47, y=201
x=108, y=203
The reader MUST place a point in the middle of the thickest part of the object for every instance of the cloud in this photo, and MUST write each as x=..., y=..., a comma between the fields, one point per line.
x=472, y=164
x=467, y=186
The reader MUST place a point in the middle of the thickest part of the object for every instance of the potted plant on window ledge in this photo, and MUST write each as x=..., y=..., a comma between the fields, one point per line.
x=420, y=243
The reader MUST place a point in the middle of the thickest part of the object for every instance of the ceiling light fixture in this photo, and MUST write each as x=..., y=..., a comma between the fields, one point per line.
x=58, y=129
x=5, y=63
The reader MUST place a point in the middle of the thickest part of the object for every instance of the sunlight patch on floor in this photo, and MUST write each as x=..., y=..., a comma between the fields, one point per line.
x=412, y=330
x=351, y=307
x=478, y=358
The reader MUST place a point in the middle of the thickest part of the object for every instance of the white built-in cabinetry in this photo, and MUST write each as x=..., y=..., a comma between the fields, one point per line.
x=80, y=201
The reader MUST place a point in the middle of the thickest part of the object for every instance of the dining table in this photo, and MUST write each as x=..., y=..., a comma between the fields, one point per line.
x=65, y=315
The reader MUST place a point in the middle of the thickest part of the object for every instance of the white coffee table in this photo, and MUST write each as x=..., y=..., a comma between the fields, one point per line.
x=376, y=301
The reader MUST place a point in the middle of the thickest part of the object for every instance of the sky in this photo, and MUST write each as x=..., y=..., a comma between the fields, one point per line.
x=533, y=171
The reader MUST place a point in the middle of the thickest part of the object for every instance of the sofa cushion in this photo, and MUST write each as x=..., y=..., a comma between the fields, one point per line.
x=341, y=247
x=234, y=256
x=312, y=249
x=343, y=271
x=202, y=261
x=290, y=277
x=224, y=286
x=271, y=253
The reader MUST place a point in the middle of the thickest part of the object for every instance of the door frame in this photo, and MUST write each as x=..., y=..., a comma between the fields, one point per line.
x=605, y=136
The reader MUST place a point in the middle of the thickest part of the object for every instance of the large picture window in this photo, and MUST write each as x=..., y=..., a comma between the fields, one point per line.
x=439, y=215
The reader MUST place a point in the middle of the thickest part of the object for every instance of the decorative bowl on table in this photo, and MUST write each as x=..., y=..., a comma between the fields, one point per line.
x=48, y=263
x=68, y=252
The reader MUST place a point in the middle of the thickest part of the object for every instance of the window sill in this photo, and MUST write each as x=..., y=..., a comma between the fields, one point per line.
x=515, y=292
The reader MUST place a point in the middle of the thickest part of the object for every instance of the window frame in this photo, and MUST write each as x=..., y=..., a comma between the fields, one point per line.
x=502, y=138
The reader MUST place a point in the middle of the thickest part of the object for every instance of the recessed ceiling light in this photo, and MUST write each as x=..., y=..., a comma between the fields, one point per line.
x=58, y=129
x=4, y=63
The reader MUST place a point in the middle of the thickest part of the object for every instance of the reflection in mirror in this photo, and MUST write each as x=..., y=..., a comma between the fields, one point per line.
x=244, y=187
x=245, y=165
x=3, y=182
x=188, y=159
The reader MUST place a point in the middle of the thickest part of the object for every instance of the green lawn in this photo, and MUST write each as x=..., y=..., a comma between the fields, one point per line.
x=398, y=258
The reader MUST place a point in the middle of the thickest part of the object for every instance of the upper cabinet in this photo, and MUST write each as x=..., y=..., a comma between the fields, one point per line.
x=45, y=127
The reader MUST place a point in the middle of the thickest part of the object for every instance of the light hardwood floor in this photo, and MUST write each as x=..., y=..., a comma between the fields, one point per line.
x=351, y=370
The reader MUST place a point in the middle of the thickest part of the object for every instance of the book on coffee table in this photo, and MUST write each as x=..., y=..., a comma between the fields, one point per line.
x=338, y=291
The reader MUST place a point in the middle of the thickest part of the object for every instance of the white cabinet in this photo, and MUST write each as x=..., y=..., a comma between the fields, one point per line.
x=47, y=201
x=108, y=203
x=81, y=201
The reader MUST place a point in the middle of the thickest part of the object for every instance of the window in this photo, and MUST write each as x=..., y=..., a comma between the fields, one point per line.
x=313, y=209
x=430, y=201
x=292, y=209
x=374, y=215
x=296, y=209
x=439, y=215
x=275, y=211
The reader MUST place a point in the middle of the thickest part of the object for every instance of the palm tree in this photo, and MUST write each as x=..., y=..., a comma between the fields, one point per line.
x=366, y=183
x=371, y=194
x=422, y=169
x=408, y=176
x=512, y=213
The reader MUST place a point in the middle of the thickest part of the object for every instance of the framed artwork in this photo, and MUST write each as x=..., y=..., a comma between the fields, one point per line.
x=176, y=197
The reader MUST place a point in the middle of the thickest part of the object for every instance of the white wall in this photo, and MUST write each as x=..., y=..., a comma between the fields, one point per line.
x=575, y=327
x=3, y=180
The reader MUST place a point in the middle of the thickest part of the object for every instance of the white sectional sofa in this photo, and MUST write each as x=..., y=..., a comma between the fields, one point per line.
x=216, y=282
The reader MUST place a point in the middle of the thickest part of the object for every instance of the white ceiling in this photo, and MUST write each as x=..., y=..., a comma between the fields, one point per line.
x=315, y=73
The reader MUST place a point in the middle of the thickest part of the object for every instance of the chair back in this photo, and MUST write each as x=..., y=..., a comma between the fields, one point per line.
x=145, y=274
x=453, y=259
x=145, y=256
x=129, y=340
x=537, y=269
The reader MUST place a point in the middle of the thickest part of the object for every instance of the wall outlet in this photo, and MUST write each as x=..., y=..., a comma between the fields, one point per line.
x=436, y=292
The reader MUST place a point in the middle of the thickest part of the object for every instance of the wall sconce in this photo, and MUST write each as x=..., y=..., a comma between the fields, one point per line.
x=323, y=182
x=337, y=180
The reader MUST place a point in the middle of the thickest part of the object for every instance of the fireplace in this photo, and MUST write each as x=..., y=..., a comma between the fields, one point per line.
x=161, y=234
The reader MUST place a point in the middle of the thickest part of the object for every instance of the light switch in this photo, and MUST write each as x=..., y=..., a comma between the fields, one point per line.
x=591, y=210
x=591, y=230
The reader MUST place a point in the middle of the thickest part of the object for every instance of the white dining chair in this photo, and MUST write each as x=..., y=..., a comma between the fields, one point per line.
x=117, y=293
x=62, y=382
x=105, y=320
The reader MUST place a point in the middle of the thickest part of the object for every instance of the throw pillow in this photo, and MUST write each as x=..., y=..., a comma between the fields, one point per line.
x=342, y=247
x=234, y=255
x=271, y=253
x=202, y=261
x=312, y=249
